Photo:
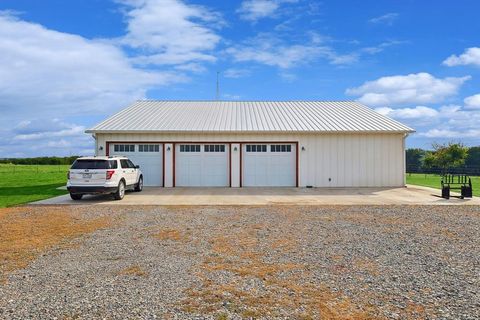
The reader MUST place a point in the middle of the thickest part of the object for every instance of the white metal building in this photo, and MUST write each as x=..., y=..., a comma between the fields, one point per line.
x=257, y=143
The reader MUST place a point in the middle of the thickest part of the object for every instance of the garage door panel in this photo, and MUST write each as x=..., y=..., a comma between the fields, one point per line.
x=269, y=165
x=151, y=169
x=206, y=165
x=147, y=155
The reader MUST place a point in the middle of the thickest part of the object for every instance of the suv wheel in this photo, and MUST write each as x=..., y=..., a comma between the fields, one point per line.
x=139, y=185
x=120, y=191
x=76, y=196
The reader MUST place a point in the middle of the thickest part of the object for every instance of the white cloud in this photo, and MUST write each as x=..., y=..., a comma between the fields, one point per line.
x=282, y=57
x=388, y=19
x=472, y=102
x=407, y=89
x=45, y=137
x=50, y=72
x=471, y=56
x=458, y=118
x=288, y=77
x=289, y=51
x=270, y=50
x=192, y=67
x=451, y=111
x=46, y=129
x=447, y=133
x=342, y=59
x=53, y=74
x=418, y=112
x=448, y=121
x=254, y=10
x=382, y=46
x=236, y=73
x=62, y=143
x=229, y=96
x=170, y=31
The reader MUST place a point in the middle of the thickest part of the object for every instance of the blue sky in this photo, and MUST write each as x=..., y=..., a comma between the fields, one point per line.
x=66, y=65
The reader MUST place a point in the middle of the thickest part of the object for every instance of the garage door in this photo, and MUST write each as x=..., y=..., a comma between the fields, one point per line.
x=266, y=165
x=201, y=165
x=147, y=156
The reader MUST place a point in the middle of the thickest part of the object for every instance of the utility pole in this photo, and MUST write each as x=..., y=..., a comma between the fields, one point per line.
x=218, y=87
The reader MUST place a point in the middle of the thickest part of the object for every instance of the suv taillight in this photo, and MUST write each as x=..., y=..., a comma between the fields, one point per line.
x=110, y=174
x=68, y=175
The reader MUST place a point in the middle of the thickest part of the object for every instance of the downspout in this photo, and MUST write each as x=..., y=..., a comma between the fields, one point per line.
x=404, y=160
x=96, y=144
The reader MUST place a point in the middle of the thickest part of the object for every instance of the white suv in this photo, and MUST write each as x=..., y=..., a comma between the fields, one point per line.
x=97, y=175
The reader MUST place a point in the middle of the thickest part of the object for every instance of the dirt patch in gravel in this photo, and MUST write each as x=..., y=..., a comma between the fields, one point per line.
x=283, y=292
x=134, y=270
x=248, y=271
x=170, y=234
x=26, y=232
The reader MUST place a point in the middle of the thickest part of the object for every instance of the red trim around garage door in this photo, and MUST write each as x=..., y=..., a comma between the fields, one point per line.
x=107, y=151
x=173, y=165
x=296, y=164
x=241, y=164
x=230, y=164
x=163, y=165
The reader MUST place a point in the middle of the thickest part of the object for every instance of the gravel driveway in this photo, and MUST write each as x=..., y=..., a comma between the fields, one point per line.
x=338, y=262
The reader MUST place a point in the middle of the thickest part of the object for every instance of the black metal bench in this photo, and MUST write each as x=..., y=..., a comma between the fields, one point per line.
x=456, y=182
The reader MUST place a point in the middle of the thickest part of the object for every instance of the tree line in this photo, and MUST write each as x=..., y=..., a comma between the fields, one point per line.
x=444, y=158
x=41, y=160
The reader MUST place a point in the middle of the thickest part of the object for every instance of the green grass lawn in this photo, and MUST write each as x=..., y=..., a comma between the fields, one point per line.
x=431, y=180
x=25, y=183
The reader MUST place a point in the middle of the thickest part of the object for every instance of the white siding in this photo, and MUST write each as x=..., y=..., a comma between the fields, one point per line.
x=168, y=164
x=349, y=160
x=235, y=165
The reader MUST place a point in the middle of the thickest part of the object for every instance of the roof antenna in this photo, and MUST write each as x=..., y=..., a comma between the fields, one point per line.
x=218, y=88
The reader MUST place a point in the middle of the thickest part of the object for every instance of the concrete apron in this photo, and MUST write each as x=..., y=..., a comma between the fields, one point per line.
x=410, y=195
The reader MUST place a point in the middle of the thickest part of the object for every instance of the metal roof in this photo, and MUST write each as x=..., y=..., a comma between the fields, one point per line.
x=248, y=116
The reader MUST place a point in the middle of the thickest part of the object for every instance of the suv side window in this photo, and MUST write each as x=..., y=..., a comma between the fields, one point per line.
x=130, y=163
x=112, y=164
x=124, y=164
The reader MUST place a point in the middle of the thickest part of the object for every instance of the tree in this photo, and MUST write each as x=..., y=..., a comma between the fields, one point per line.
x=414, y=158
x=446, y=156
x=473, y=158
x=40, y=160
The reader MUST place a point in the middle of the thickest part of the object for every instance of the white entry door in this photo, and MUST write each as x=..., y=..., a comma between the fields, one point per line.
x=147, y=155
x=269, y=165
x=201, y=165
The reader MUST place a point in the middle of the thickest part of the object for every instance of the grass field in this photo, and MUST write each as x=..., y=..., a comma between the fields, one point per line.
x=433, y=181
x=25, y=183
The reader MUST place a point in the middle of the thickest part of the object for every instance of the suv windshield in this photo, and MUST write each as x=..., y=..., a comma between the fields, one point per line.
x=94, y=164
